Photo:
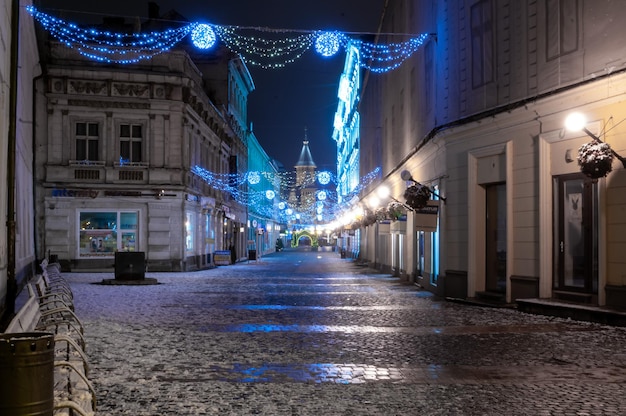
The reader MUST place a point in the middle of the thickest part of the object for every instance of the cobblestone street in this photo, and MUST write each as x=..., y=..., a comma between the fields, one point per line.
x=308, y=333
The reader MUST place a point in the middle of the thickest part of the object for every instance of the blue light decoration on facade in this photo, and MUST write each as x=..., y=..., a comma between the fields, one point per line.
x=321, y=195
x=255, y=49
x=282, y=205
x=327, y=44
x=386, y=57
x=323, y=177
x=203, y=36
x=269, y=194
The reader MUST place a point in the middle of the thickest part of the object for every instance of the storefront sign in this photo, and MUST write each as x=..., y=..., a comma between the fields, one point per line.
x=75, y=193
x=426, y=218
x=207, y=202
x=221, y=257
x=123, y=193
x=398, y=226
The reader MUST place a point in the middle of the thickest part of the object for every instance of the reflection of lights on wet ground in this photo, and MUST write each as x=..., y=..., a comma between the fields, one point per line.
x=249, y=328
x=317, y=372
x=330, y=308
x=434, y=371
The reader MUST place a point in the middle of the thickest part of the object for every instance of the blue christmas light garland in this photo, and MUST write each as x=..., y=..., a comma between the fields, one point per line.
x=264, y=47
x=325, y=206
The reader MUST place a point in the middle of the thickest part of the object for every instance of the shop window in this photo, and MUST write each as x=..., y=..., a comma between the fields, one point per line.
x=434, y=248
x=189, y=232
x=101, y=234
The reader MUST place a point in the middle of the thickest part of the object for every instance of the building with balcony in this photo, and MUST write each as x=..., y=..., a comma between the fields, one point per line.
x=116, y=149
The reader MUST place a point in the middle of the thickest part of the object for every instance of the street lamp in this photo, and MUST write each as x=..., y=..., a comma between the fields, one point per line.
x=383, y=193
x=406, y=176
x=578, y=122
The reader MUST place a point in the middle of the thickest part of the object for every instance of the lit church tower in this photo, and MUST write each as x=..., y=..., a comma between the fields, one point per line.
x=302, y=195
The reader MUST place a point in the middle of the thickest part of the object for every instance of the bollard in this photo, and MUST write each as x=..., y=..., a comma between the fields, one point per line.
x=27, y=374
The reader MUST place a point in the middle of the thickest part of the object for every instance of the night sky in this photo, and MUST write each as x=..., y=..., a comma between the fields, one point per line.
x=286, y=100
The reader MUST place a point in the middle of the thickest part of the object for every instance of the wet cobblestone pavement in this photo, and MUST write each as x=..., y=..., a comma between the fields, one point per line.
x=307, y=333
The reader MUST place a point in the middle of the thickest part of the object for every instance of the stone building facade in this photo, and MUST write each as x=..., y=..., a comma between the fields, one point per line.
x=478, y=116
x=18, y=68
x=115, y=156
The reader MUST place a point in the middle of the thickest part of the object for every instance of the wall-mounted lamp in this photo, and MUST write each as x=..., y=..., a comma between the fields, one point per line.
x=383, y=193
x=406, y=176
x=578, y=122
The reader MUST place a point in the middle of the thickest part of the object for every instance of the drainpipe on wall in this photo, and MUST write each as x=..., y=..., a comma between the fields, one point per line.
x=11, y=281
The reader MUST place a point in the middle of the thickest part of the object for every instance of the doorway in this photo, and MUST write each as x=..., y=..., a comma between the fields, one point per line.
x=496, y=238
x=576, y=238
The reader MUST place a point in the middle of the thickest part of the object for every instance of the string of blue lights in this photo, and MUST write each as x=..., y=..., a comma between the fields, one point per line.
x=325, y=205
x=257, y=46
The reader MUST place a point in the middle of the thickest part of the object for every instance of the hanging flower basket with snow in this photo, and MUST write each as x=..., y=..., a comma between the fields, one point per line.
x=417, y=196
x=395, y=211
x=595, y=159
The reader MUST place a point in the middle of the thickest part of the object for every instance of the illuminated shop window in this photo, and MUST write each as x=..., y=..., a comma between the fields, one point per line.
x=189, y=232
x=101, y=233
x=434, y=244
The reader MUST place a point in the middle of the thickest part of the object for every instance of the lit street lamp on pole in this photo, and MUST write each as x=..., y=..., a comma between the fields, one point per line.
x=578, y=122
x=406, y=176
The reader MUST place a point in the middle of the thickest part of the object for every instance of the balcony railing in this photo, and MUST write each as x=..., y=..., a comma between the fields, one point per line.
x=95, y=163
x=126, y=164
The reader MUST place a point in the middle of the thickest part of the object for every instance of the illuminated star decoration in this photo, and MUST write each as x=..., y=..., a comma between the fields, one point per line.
x=265, y=47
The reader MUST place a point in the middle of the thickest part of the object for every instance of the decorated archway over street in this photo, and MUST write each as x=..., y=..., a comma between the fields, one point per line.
x=300, y=238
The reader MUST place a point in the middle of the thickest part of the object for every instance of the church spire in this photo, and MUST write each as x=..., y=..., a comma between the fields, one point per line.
x=306, y=160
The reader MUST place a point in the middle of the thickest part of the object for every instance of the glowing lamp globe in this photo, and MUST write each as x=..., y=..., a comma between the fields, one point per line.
x=203, y=36
x=328, y=43
x=382, y=192
x=575, y=122
x=254, y=178
x=323, y=178
x=270, y=194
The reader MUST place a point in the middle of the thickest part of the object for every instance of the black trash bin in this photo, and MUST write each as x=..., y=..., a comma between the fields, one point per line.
x=27, y=374
x=130, y=265
x=251, y=254
x=343, y=253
